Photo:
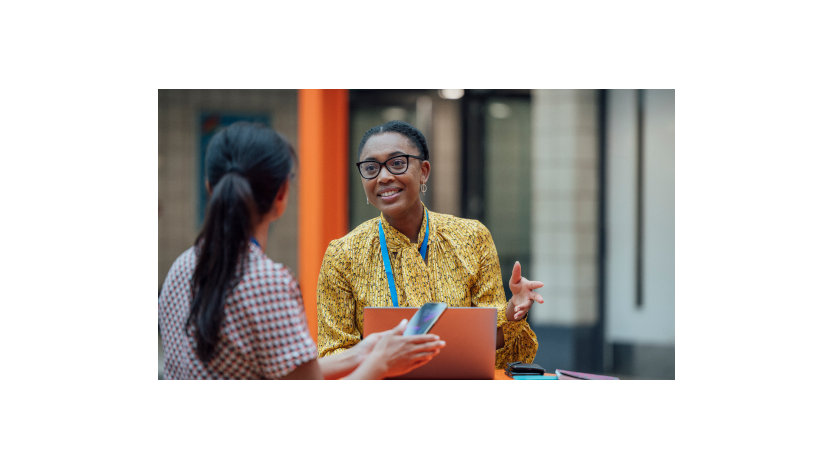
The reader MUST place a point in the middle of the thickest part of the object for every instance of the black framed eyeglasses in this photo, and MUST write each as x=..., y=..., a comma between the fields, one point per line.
x=397, y=165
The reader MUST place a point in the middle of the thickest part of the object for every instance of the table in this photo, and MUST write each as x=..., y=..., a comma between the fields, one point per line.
x=501, y=375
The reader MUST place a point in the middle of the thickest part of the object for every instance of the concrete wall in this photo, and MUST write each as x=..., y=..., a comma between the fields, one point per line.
x=446, y=157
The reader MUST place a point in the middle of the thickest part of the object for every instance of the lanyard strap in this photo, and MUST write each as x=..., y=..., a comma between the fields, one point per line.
x=392, y=286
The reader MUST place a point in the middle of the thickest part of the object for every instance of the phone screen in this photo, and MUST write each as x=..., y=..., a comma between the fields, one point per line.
x=424, y=319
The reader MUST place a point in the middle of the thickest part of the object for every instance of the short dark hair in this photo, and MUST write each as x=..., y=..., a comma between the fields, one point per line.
x=414, y=135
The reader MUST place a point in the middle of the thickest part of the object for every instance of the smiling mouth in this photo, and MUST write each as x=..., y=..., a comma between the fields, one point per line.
x=389, y=192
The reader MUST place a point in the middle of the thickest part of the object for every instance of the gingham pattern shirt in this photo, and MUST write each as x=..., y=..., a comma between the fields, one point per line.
x=264, y=333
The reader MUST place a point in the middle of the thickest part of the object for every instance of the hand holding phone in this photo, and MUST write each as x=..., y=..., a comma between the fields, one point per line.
x=424, y=318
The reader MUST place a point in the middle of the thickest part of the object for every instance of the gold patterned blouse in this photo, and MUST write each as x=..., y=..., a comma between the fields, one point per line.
x=461, y=270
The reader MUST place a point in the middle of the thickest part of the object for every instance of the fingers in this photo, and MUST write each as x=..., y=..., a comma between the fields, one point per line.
x=521, y=309
x=527, y=288
x=411, y=356
x=406, y=347
x=424, y=357
x=520, y=313
x=515, y=277
x=372, y=339
x=533, y=297
x=399, y=329
x=432, y=346
x=415, y=364
x=421, y=338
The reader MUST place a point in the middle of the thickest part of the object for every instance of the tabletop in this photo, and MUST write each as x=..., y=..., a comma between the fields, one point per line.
x=565, y=375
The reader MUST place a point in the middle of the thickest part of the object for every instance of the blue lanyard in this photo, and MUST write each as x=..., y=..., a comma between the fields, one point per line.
x=252, y=239
x=392, y=286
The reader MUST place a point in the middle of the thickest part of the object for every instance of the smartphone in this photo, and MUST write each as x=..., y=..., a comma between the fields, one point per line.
x=424, y=318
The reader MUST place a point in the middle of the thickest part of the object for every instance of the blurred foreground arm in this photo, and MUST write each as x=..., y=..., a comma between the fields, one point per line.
x=395, y=354
x=378, y=356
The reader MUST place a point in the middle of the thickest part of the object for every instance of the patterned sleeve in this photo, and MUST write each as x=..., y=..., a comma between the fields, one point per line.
x=337, y=330
x=282, y=341
x=520, y=343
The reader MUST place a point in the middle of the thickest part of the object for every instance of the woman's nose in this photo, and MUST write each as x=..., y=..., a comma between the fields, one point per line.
x=384, y=174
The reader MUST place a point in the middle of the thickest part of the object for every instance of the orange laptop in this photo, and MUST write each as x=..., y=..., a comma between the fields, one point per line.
x=469, y=333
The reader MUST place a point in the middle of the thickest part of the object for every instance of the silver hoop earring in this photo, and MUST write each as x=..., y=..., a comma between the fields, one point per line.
x=424, y=188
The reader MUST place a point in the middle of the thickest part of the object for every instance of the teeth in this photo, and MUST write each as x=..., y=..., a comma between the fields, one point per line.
x=388, y=193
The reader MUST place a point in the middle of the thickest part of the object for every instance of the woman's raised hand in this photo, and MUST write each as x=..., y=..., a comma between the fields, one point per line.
x=523, y=295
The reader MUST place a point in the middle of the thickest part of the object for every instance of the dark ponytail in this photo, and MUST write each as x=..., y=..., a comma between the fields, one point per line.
x=246, y=165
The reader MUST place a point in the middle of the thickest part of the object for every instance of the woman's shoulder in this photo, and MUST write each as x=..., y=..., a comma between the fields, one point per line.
x=183, y=265
x=186, y=257
x=178, y=280
x=446, y=223
x=265, y=271
x=354, y=240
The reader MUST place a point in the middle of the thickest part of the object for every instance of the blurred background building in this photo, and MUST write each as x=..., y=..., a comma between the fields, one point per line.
x=577, y=185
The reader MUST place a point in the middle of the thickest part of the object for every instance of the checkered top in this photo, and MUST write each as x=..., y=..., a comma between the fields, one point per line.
x=264, y=333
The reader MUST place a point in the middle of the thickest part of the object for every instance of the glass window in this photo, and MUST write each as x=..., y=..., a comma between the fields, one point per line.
x=507, y=196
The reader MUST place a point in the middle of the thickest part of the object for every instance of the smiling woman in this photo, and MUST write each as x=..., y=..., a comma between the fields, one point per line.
x=409, y=255
x=389, y=185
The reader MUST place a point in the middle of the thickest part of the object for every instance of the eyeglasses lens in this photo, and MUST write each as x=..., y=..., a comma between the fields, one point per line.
x=396, y=166
x=369, y=170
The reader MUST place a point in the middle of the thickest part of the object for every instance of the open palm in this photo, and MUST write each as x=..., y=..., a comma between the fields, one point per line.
x=524, y=294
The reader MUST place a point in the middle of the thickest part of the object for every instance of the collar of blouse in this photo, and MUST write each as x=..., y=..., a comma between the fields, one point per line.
x=397, y=241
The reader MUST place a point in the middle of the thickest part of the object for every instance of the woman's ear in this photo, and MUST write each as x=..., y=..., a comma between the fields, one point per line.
x=283, y=191
x=425, y=169
x=279, y=205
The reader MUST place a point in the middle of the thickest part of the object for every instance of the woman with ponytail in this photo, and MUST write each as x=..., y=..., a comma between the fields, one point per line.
x=226, y=311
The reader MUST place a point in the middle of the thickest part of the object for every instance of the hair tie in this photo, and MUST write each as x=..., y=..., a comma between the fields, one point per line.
x=235, y=169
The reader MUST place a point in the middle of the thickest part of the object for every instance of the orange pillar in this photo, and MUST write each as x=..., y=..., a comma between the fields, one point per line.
x=322, y=184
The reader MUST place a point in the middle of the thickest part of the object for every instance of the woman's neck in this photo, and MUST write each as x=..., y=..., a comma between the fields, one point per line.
x=260, y=232
x=409, y=223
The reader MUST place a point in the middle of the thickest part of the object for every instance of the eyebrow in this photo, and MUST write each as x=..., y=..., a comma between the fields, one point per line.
x=396, y=153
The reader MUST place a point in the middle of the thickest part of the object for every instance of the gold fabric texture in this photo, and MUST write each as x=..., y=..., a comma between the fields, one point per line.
x=461, y=269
